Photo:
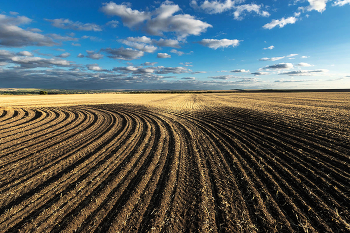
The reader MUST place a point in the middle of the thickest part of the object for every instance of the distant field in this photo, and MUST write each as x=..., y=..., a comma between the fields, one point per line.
x=215, y=162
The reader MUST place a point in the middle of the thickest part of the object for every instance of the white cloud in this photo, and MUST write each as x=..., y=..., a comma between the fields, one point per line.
x=214, y=7
x=93, y=55
x=163, y=55
x=215, y=44
x=64, y=55
x=123, y=54
x=270, y=47
x=292, y=55
x=62, y=38
x=304, y=64
x=341, y=2
x=280, y=66
x=223, y=77
x=304, y=72
x=25, y=53
x=112, y=23
x=240, y=71
x=317, y=5
x=13, y=36
x=92, y=38
x=260, y=73
x=149, y=63
x=271, y=59
x=140, y=46
x=281, y=22
x=158, y=21
x=94, y=67
x=80, y=55
x=34, y=62
x=179, y=53
x=129, y=17
x=68, y=24
x=167, y=43
x=172, y=70
x=186, y=64
x=239, y=10
x=189, y=78
x=142, y=39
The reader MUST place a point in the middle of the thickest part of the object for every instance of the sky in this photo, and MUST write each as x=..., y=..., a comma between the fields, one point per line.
x=176, y=45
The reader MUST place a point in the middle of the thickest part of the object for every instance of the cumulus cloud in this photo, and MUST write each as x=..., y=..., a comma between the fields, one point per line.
x=93, y=55
x=223, y=77
x=162, y=19
x=215, y=7
x=25, y=53
x=280, y=66
x=304, y=72
x=270, y=47
x=94, y=67
x=280, y=22
x=189, y=78
x=129, y=16
x=149, y=63
x=80, y=55
x=142, y=39
x=271, y=59
x=64, y=55
x=239, y=11
x=304, y=57
x=240, y=71
x=341, y=2
x=172, y=70
x=317, y=5
x=167, y=43
x=35, y=62
x=292, y=55
x=11, y=35
x=179, y=53
x=304, y=64
x=68, y=24
x=260, y=73
x=123, y=53
x=163, y=55
x=215, y=44
x=140, y=46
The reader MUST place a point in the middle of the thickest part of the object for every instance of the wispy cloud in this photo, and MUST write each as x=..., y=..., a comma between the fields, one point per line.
x=215, y=44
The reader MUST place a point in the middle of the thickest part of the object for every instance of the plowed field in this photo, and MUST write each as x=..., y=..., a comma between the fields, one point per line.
x=175, y=163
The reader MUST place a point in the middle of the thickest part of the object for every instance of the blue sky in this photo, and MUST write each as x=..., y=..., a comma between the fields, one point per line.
x=187, y=44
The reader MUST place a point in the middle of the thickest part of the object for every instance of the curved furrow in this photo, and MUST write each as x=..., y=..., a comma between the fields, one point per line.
x=254, y=203
x=28, y=115
x=284, y=137
x=133, y=154
x=27, y=151
x=34, y=163
x=54, y=180
x=13, y=116
x=14, y=144
x=246, y=143
x=33, y=118
x=305, y=159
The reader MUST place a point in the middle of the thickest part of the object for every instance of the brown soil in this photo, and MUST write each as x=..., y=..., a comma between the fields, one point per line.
x=177, y=163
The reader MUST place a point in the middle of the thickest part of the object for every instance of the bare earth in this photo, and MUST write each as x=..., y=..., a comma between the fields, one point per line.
x=240, y=162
